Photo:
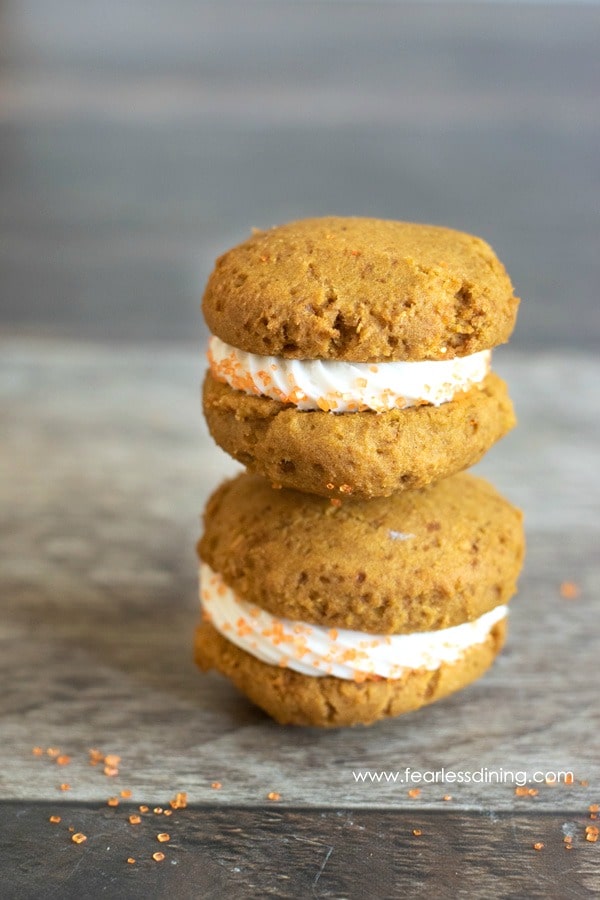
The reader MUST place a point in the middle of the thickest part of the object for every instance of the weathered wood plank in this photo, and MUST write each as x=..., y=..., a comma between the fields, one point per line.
x=137, y=146
x=105, y=468
x=266, y=852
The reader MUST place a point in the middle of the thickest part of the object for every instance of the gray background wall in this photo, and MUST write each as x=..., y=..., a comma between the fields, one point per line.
x=138, y=140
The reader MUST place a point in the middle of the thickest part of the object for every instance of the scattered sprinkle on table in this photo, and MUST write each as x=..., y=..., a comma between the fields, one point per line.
x=569, y=590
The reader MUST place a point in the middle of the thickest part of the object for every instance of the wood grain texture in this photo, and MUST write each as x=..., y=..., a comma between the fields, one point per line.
x=105, y=469
x=137, y=144
x=214, y=853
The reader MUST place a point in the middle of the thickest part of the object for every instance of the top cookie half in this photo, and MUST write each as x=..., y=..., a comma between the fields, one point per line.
x=360, y=290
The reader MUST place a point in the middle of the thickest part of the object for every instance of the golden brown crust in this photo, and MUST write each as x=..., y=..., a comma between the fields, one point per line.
x=352, y=566
x=360, y=289
x=375, y=454
x=295, y=699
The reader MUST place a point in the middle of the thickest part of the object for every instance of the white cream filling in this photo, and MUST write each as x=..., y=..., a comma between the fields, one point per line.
x=314, y=650
x=339, y=387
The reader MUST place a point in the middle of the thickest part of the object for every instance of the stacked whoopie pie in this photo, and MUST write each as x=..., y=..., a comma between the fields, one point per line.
x=354, y=575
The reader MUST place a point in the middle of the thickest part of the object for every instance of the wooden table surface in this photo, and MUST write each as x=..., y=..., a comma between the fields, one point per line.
x=134, y=148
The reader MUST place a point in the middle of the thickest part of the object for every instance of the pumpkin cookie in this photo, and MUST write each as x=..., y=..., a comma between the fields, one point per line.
x=354, y=354
x=344, y=614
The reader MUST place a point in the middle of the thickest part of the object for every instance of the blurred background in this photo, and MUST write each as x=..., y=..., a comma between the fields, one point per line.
x=140, y=139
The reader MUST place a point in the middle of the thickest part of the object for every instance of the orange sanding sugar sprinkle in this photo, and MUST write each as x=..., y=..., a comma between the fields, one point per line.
x=54, y=819
x=447, y=797
x=273, y=795
x=95, y=757
x=179, y=801
x=414, y=793
x=112, y=801
x=130, y=860
x=134, y=819
x=78, y=838
x=126, y=793
x=335, y=501
x=38, y=751
x=569, y=590
x=63, y=760
x=65, y=787
x=216, y=785
x=167, y=812
x=111, y=771
x=158, y=856
x=111, y=759
x=539, y=845
x=345, y=489
x=526, y=792
x=417, y=832
x=591, y=833
x=594, y=807
x=163, y=837
x=157, y=810
x=144, y=808
x=53, y=752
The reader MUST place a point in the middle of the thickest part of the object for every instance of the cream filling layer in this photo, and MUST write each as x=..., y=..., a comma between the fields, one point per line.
x=317, y=651
x=337, y=386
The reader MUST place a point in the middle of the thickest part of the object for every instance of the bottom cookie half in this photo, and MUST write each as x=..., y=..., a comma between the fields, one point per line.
x=295, y=699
